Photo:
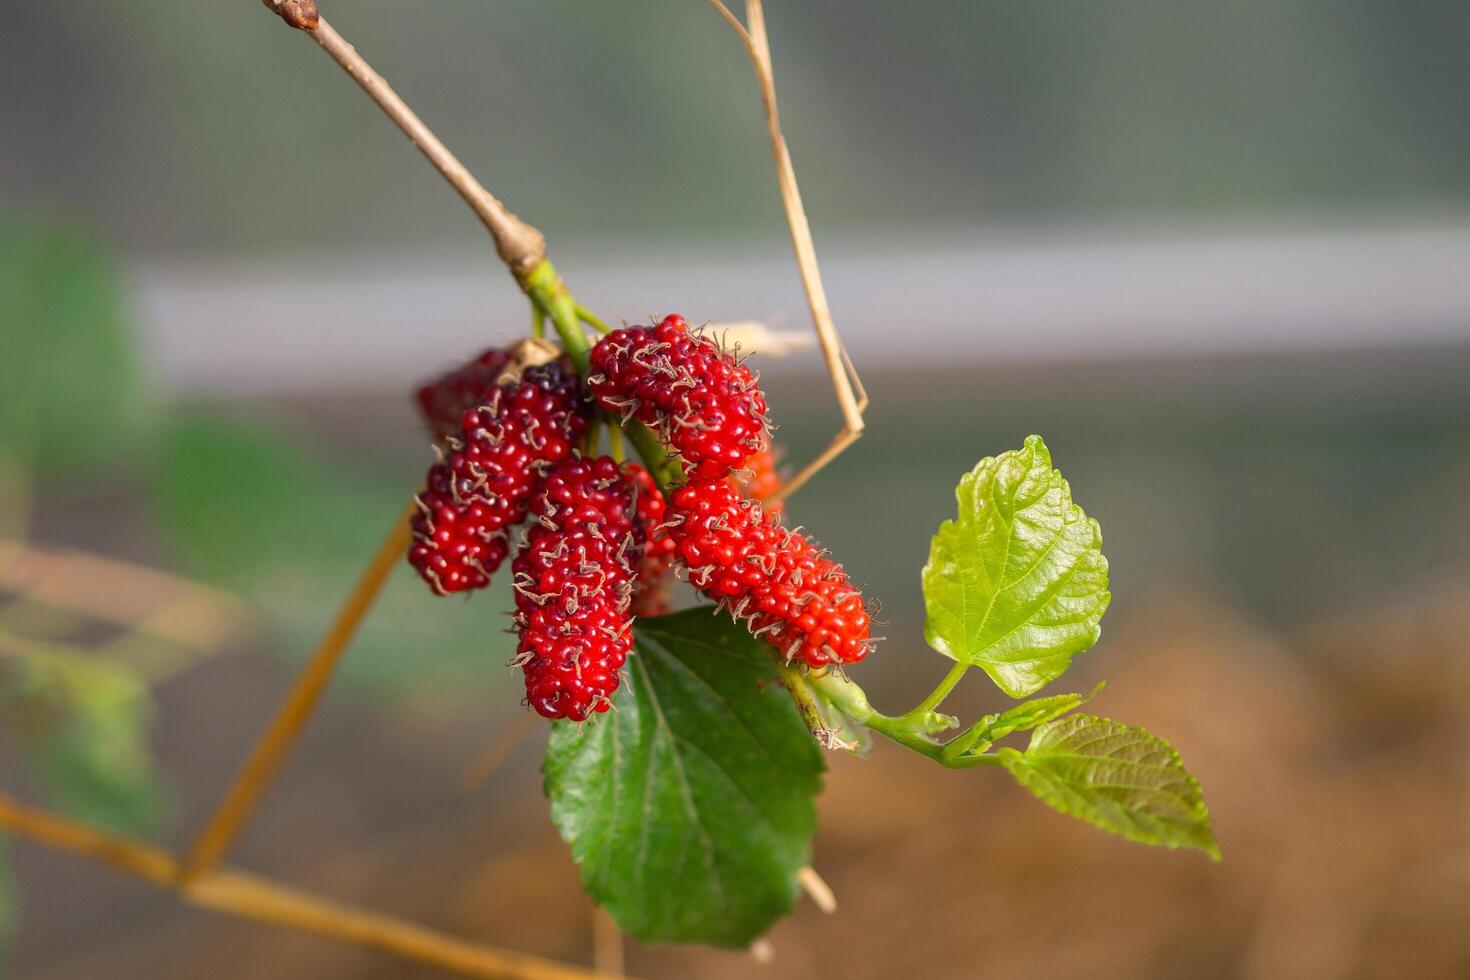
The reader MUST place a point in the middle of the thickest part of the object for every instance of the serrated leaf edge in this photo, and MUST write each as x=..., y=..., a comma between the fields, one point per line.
x=1031, y=778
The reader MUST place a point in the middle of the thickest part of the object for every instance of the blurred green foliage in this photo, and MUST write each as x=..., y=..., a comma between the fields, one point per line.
x=71, y=394
x=271, y=518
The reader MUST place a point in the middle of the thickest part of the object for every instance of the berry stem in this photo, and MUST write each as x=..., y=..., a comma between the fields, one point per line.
x=913, y=730
x=806, y=702
x=592, y=320
x=940, y=692
x=550, y=295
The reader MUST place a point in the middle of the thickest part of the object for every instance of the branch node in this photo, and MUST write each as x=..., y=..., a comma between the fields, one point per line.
x=300, y=14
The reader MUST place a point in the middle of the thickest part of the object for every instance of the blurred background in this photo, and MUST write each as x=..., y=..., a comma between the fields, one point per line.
x=1216, y=254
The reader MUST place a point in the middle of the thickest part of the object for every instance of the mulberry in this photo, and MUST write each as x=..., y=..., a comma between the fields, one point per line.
x=786, y=589
x=573, y=581
x=705, y=403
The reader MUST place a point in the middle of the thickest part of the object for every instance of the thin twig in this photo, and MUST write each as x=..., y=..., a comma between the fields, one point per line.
x=260, y=769
x=521, y=246
x=607, y=942
x=844, y=378
x=817, y=889
x=253, y=897
x=123, y=594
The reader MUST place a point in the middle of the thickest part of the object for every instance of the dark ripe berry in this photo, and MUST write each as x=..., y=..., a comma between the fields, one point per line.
x=443, y=401
x=651, y=592
x=484, y=484
x=778, y=581
x=704, y=403
x=573, y=579
x=457, y=544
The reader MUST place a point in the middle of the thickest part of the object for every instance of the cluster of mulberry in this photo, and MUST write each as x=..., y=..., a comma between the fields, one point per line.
x=602, y=538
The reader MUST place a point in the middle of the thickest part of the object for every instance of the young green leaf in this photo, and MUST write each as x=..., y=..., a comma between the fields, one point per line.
x=1020, y=718
x=1017, y=582
x=689, y=806
x=1115, y=777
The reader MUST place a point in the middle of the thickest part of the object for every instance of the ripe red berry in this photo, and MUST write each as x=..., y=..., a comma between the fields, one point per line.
x=704, y=403
x=484, y=484
x=443, y=401
x=573, y=579
x=778, y=581
x=457, y=544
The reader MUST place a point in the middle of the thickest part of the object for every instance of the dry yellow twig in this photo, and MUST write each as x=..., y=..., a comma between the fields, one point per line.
x=851, y=397
x=607, y=942
x=122, y=594
x=252, y=897
x=260, y=769
x=519, y=245
x=817, y=889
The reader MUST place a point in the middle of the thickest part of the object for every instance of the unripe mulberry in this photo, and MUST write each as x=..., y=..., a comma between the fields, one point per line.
x=776, y=580
x=704, y=403
x=573, y=580
x=483, y=485
x=759, y=479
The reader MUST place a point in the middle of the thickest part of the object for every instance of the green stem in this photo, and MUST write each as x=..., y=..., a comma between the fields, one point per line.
x=592, y=320
x=549, y=296
x=913, y=730
x=615, y=442
x=940, y=692
x=806, y=702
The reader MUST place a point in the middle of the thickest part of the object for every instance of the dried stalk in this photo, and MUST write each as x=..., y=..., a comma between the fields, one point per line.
x=607, y=942
x=280, y=738
x=252, y=897
x=851, y=397
x=817, y=889
x=518, y=244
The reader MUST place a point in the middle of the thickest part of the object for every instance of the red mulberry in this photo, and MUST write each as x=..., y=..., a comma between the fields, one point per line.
x=485, y=482
x=705, y=404
x=573, y=579
x=778, y=581
x=457, y=544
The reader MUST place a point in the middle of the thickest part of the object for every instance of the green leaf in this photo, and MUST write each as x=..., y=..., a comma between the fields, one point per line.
x=265, y=515
x=1020, y=718
x=689, y=805
x=1017, y=582
x=71, y=394
x=82, y=723
x=1115, y=777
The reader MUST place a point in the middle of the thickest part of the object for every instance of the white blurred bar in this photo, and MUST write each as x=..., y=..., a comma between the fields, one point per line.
x=371, y=320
